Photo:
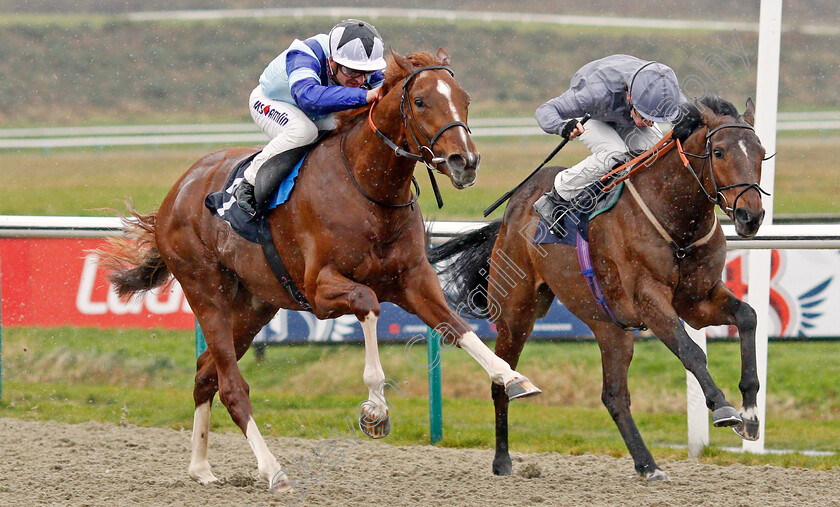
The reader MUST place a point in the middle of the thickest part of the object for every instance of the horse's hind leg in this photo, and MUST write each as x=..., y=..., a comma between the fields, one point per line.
x=203, y=393
x=229, y=317
x=508, y=348
x=616, y=353
x=206, y=385
x=723, y=308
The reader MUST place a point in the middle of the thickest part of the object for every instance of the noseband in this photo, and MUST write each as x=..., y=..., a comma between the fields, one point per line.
x=427, y=154
x=717, y=197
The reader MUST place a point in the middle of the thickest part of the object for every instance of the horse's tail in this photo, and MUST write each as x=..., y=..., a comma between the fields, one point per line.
x=133, y=260
x=465, y=273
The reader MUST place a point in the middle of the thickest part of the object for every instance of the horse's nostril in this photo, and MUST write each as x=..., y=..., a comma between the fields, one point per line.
x=743, y=215
x=456, y=162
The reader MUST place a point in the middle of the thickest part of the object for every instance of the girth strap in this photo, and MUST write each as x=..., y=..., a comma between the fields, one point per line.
x=588, y=272
x=279, y=270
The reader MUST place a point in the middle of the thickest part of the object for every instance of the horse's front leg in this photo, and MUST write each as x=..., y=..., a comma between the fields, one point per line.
x=616, y=353
x=337, y=295
x=654, y=303
x=723, y=308
x=423, y=297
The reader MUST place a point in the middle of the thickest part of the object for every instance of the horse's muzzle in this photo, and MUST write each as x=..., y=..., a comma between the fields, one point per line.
x=747, y=222
x=463, y=168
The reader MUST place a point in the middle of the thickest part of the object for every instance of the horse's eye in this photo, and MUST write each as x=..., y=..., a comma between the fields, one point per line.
x=419, y=102
x=718, y=153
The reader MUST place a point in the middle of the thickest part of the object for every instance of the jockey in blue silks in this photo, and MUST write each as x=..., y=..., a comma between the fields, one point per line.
x=625, y=97
x=303, y=87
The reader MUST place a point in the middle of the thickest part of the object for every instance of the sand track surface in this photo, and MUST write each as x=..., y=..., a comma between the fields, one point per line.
x=52, y=463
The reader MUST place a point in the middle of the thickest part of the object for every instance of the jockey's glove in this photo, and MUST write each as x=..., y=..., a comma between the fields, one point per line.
x=568, y=127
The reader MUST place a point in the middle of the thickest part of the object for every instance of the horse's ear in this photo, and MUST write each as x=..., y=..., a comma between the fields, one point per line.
x=402, y=61
x=706, y=113
x=443, y=56
x=749, y=113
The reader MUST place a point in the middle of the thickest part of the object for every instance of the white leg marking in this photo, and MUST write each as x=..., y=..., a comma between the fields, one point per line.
x=266, y=463
x=499, y=371
x=749, y=413
x=199, y=466
x=446, y=91
x=374, y=376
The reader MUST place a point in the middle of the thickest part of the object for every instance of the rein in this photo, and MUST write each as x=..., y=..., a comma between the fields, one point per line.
x=427, y=154
x=663, y=146
x=666, y=144
x=643, y=161
x=384, y=204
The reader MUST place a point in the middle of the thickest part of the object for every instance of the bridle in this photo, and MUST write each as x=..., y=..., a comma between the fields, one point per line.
x=426, y=153
x=717, y=197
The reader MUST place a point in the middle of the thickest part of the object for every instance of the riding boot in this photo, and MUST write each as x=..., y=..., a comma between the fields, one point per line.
x=273, y=171
x=244, y=194
x=551, y=207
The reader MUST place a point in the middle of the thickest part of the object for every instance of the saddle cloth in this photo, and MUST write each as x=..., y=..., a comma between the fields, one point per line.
x=576, y=219
x=223, y=203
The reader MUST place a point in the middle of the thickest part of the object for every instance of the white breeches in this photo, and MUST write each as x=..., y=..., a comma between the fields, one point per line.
x=608, y=148
x=285, y=124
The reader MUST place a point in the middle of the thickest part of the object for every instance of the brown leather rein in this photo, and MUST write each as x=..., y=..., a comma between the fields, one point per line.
x=663, y=146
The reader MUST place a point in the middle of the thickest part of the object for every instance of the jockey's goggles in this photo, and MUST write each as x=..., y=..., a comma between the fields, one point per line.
x=352, y=73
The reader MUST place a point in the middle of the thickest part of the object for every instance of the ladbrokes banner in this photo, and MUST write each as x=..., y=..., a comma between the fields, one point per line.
x=58, y=282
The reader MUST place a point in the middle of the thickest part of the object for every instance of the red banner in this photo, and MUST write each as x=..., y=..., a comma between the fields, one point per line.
x=58, y=282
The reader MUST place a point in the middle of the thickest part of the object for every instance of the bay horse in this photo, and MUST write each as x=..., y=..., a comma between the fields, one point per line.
x=647, y=280
x=350, y=236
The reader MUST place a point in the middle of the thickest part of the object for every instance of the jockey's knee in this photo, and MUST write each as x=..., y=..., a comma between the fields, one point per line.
x=293, y=135
x=302, y=133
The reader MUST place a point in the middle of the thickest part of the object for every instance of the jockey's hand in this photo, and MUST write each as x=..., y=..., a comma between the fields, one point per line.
x=374, y=94
x=572, y=129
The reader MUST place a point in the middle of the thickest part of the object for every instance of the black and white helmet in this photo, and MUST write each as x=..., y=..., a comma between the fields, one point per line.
x=357, y=45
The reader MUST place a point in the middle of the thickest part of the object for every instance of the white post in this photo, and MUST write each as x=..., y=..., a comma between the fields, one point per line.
x=767, y=100
x=698, y=413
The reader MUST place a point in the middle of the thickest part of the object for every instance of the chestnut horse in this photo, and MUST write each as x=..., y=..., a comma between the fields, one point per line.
x=350, y=236
x=646, y=279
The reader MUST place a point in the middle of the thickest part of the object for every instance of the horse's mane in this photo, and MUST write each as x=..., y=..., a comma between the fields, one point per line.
x=393, y=74
x=690, y=119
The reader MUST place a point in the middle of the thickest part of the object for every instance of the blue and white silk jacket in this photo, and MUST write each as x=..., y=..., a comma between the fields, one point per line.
x=299, y=76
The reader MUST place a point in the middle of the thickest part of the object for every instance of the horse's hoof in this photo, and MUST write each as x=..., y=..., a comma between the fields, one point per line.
x=502, y=467
x=373, y=426
x=748, y=429
x=202, y=475
x=521, y=388
x=726, y=416
x=281, y=484
x=657, y=475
